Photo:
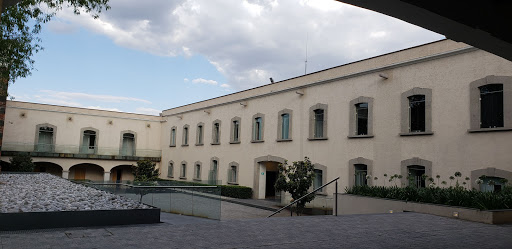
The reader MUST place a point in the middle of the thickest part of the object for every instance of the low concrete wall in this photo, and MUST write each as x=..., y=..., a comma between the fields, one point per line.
x=355, y=204
x=86, y=218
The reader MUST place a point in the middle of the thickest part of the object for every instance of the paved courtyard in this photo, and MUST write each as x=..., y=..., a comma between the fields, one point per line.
x=399, y=230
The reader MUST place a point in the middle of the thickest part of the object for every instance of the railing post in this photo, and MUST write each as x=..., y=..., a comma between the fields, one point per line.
x=336, y=199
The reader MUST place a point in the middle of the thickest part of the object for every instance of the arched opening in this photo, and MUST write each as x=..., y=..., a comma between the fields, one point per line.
x=4, y=165
x=89, y=141
x=266, y=172
x=48, y=167
x=121, y=173
x=86, y=171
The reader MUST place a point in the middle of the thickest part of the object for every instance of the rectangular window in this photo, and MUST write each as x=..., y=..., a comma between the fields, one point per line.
x=417, y=113
x=233, y=174
x=183, y=170
x=170, y=170
x=317, y=182
x=200, y=134
x=258, y=135
x=416, y=173
x=362, y=119
x=198, y=171
x=491, y=106
x=285, y=126
x=216, y=131
x=45, y=140
x=236, y=131
x=185, y=135
x=319, y=123
x=361, y=170
x=173, y=137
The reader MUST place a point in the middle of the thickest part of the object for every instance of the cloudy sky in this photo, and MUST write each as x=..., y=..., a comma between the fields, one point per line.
x=146, y=56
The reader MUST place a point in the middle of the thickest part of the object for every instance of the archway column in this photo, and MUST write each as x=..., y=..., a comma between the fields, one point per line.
x=106, y=176
x=65, y=174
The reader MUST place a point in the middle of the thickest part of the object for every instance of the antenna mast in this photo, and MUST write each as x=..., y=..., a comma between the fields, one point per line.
x=306, y=61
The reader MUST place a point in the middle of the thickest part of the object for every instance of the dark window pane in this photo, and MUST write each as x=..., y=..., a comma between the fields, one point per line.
x=491, y=106
x=319, y=123
x=362, y=118
x=417, y=113
x=416, y=173
x=361, y=170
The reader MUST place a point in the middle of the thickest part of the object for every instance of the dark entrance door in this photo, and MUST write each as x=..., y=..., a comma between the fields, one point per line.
x=270, y=190
x=119, y=174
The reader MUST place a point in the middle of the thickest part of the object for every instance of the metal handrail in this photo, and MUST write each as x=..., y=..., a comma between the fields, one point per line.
x=138, y=186
x=314, y=191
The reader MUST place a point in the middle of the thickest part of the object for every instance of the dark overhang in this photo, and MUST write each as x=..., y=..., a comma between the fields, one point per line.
x=482, y=24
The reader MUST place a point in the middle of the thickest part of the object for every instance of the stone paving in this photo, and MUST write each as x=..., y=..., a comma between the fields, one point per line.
x=398, y=230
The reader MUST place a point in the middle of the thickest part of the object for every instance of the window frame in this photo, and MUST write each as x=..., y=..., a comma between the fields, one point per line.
x=96, y=139
x=134, y=142
x=183, y=170
x=196, y=173
x=312, y=120
x=262, y=128
x=237, y=173
x=404, y=168
x=172, y=142
x=475, y=105
x=280, y=125
x=185, y=137
x=352, y=169
x=170, y=165
x=200, y=134
x=322, y=168
x=214, y=133
x=405, y=116
x=490, y=172
x=54, y=136
x=216, y=179
x=353, y=129
x=232, y=133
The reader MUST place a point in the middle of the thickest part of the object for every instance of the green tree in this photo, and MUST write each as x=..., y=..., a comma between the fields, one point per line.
x=21, y=163
x=297, y=179
x=19, y=26
x=145, y=171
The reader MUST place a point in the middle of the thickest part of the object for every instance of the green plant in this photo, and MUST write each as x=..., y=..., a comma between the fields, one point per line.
x=20, y=163
x=240, y=192
x=145, y=171
x=296, y=179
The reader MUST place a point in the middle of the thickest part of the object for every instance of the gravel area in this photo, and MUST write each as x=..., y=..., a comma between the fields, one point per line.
x=44, y=192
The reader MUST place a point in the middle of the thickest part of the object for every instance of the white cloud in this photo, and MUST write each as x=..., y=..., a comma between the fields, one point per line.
x=66, y=96
x=249, y=41
x=186, y=79
x=149, y=111
x=103, y=108
x=203, y=81
x=225, y=86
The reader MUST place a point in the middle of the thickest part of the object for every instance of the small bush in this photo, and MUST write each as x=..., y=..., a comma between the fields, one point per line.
x=240, y=192
x=452, y=196
x=145, y=171
x=20, y=163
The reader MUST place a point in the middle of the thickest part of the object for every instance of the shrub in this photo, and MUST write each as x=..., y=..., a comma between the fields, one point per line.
x=240, y=192
x=452, y=196
x=20, y=163
x=234, y=191
x=145, y=171
x=296, y=179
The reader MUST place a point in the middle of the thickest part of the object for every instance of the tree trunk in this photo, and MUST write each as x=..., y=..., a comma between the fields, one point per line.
x=4, y=84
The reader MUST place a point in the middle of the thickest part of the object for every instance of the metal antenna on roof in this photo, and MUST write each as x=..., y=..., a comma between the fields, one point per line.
x=306, y=61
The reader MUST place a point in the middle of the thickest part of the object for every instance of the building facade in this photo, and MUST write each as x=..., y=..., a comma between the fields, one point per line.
x=435, y=109
x=78, y=143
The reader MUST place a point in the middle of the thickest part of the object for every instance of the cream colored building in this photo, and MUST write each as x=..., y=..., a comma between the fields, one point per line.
x=435, y=109
x=79, y=143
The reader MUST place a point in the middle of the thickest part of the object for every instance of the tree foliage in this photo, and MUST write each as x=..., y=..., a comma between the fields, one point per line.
x=145, y=171
x=297, y=179
x=20, y=163
x=21, y=23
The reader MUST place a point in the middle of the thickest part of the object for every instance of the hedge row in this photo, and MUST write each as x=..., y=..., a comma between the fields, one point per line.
x=452, y=196
x=234, y=191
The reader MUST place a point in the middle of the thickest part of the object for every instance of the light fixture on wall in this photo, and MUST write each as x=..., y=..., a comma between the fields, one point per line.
x=110, y=122
x=179, y=116
x=70, y=119
x=300, y=92
x=271, y=80
x=208, y=111
x=244, y=104
x=148, y=125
